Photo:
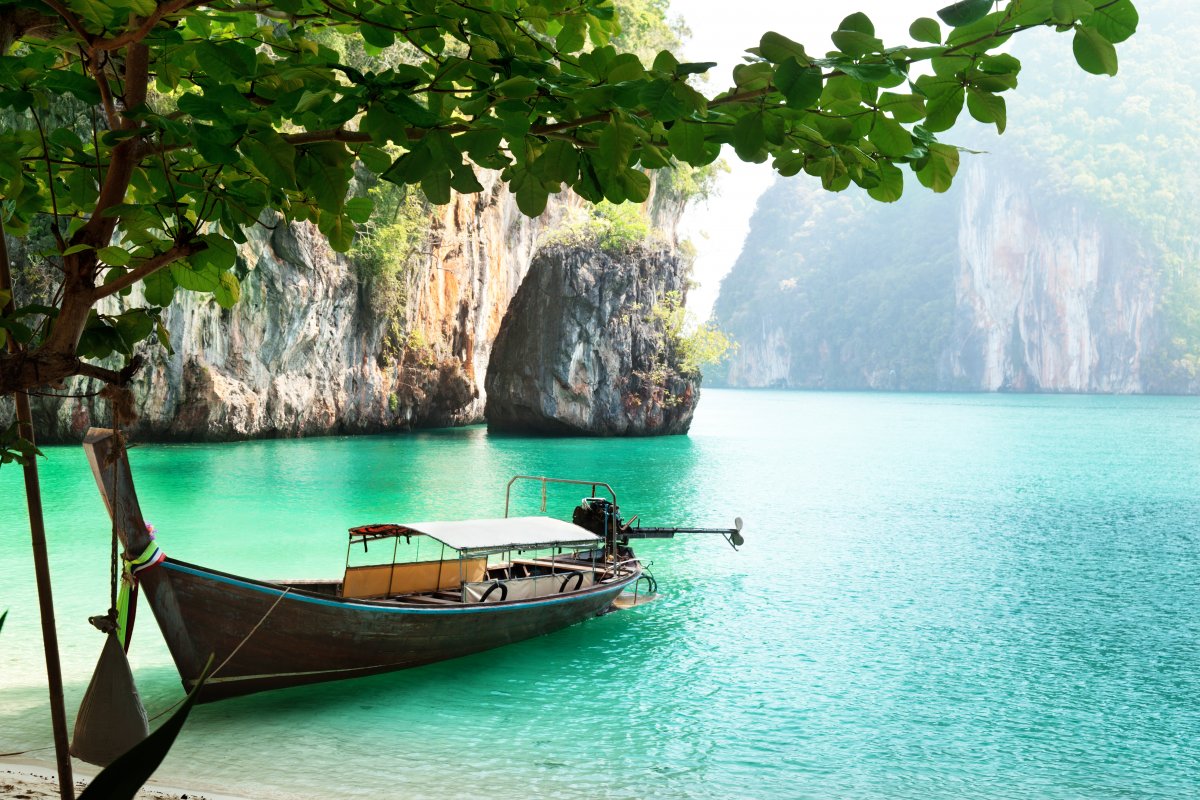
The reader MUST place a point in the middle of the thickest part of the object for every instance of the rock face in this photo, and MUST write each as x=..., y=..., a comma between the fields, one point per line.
x=581, y=350
x=304, y=352
x=1048, y=296
x=763, y=360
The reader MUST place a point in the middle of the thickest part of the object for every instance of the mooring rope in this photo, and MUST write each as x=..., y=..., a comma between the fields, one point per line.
x=245, y=639
x=30, y=750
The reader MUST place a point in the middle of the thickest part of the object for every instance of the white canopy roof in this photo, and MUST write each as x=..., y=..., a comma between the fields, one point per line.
x=511, y=533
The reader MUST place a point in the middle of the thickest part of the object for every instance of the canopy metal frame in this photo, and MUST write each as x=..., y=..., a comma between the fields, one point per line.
x=544, y=480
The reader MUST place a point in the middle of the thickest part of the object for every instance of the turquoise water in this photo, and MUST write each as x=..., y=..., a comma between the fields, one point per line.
x=940, y=597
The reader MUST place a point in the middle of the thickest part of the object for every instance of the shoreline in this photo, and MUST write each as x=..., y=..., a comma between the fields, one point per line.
x=31, y=781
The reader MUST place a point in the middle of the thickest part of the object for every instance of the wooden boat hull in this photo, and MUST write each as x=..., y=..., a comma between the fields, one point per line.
x=268, y=636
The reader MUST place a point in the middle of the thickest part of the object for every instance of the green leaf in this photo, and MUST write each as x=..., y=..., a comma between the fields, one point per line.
x=18, y=330
x=338, y=230
x=615, y=146
x=1116, y=22
x=573, y=34
x=82, y=188
x=1094, y=53
x=64, y=81
x=777, y=48
x=891, y=184
x=903, y=107
x=750, y=138
x=133, y=327
x=938, y=172
x=228, y=61
x=873, y=73
x=531, y=198
x=323, y=171
x=890, y=138
x=858, y=21
x=987, y=107
x=359, y=209
x=686, y=140
x=464, y=181
x=965, y=12
x=694, y=68
x=122, y=779
x=636, y=184
x=76, y=248
x=519, y=87
x=374, y=158
x=926, y=30
x=801, y=86
x=659, y=98
x=273, y=157
x=214, y=143
x=228, y=290
x=1032, y=12
x=1066, y=12
x=481, y=145
x=220, y=253
x=625, y=67
x=559, y=163
x=855, y=43
x=376, y=36
x=436, y=186
x=114, y=256
x=205, y=278
x=943, y=109
x=411, y=167
x=159, y=288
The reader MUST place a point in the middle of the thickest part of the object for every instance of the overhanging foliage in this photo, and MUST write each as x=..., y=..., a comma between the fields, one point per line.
x=150, y=134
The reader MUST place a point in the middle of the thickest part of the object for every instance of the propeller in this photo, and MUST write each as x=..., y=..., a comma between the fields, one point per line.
x=736, y=538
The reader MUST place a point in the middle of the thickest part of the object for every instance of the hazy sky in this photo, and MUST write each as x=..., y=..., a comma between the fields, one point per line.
x=721, y=31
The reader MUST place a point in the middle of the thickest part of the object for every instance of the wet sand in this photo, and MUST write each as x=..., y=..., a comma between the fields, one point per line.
x=30, y=782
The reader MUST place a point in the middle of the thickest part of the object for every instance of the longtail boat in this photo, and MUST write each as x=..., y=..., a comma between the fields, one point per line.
x=487, y=584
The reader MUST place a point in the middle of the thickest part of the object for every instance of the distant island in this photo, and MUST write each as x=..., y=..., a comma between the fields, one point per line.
x=1063, y=260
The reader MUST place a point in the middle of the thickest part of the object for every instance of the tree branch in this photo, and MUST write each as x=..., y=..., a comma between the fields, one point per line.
x=124, y=157
x=329, y=135
x=139, y=33
x=148, y=267
x=69, y=17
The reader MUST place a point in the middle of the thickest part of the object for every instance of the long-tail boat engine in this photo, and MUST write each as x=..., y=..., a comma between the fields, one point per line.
x=603, y=518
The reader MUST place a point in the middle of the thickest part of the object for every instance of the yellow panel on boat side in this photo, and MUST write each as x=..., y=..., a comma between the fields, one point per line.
x=383, y=580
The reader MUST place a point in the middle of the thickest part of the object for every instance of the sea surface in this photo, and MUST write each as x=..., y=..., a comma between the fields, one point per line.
x=940, y=596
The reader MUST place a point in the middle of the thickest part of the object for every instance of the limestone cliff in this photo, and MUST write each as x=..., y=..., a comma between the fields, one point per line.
x=582, y=350
x=1049, y=296
x=307, y=350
